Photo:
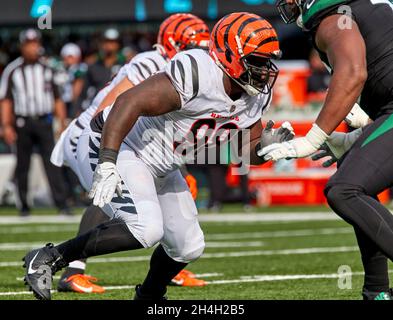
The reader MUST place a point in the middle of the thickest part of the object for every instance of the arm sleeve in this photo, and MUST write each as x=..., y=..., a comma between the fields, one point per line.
x=316, y=10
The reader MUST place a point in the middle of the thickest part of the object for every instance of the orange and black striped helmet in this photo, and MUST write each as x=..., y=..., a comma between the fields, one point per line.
x=182, y=31
x=243, y=44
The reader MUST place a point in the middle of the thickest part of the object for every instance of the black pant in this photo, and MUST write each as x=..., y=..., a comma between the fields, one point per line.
x=37, y=132
x=366, y=171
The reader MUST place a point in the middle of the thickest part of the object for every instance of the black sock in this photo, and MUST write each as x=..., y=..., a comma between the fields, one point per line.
x=68, y=272
x=162, y=270
x=376, y=277
x=109, y=237
x=92, y=217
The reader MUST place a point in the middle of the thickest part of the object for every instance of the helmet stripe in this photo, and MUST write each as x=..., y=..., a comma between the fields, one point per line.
x=180, y=22
x=253, y=34
x=267, y=40
x=226, y=34
x=217, y=28
x=246, y=22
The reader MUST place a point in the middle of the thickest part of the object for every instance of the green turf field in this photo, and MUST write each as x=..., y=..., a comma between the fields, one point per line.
x=242, y=260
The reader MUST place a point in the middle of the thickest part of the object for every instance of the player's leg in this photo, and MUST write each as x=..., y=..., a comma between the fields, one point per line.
x=136, y=222
x=73, y=278
x=366, y=171
x=375, y=264
x=24, y=150
x=183, y=240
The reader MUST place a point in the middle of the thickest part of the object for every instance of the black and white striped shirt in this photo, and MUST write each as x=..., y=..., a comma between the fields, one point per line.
x=30, y=86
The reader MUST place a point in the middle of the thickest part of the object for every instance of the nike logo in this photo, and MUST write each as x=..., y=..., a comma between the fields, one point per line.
x=84, y=289
x=31, y=270
x=309, y=5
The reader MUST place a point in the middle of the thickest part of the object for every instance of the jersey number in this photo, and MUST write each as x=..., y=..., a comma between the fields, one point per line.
x=203, y=133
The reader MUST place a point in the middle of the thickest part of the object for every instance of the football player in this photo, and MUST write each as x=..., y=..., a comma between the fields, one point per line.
x=355, y=39
x=177, y=33
x=131, y=164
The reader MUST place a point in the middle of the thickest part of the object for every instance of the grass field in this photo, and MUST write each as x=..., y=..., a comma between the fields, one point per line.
x=243, y=260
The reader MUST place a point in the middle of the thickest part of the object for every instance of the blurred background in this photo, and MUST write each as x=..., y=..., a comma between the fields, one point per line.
x=90, y=32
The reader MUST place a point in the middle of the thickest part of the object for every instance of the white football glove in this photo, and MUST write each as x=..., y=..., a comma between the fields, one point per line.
x=106, y=181
x=336, y=146
x=357, y=118
x=340, y=142
x=297, y=148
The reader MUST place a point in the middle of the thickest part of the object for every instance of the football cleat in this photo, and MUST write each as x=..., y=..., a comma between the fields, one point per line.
x=80, y=283
x=140, y=296
x=40, y=265
x=369, y=295
x=186, y=278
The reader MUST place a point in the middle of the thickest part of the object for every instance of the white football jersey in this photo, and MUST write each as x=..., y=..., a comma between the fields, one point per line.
x=142, y=66
x=205, y=104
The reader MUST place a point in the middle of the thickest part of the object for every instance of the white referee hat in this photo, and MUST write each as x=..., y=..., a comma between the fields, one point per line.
x=29, y=35
x=70, y=49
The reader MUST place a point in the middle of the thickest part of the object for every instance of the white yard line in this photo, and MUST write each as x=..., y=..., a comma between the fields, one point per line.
x=15, y=246
x=197, y=275
x=212, y=236
x=244, y=279
x=278, y=234
x=209, y=217
x=217, y=255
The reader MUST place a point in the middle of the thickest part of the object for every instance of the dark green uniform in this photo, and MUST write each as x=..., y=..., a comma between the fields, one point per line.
x=367, y=168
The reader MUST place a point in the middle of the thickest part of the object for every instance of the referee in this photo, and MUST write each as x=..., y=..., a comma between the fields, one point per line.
x=29, y=99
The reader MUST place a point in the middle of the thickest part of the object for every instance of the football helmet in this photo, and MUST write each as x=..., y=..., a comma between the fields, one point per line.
x=182, y=31
x=290, y=10
x=243, y=45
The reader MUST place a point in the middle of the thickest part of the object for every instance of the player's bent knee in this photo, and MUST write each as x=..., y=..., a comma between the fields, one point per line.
x=338, y=196
x=152, y=235
x=193, y=254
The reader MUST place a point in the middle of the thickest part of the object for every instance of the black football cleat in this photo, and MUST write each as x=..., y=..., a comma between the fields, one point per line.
x=41, y=265
x=369, y=295
x=147, y=297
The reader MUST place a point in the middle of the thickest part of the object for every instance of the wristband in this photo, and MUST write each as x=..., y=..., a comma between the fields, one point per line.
x=108, y=155
x=316, y=136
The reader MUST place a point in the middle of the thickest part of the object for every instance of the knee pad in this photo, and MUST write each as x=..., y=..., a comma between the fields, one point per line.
x=193, y=254
x=190, y=252
x=151, y=235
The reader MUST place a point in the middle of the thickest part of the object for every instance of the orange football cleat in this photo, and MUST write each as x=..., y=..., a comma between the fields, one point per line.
x=186, y=278
x=80, y=283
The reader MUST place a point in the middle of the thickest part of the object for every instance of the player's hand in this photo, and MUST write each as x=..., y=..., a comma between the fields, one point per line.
x=339, y=142
x=296, y=148
x=270, y=136
x=9, y=135
x=192, y=185
x=106, y=181
x=325, y=152
x=357, y=118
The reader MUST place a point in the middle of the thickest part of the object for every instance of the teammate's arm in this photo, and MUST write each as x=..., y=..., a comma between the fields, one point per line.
x=121, y=87
x=346, y=52
x=153, y=97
